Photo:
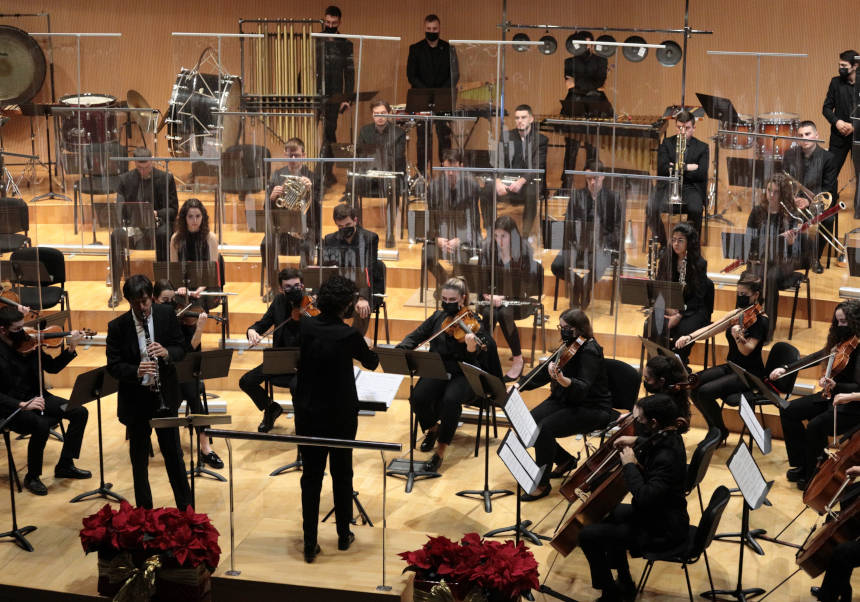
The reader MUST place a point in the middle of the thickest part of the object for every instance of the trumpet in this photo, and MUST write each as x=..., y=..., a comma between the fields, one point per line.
x=816, y=212
x=678, y=171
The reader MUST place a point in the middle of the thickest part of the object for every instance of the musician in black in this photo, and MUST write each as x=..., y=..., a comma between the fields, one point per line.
x=293, y=182
x=147, y=385
x=579, y=400
x=745, y=345
x=836, y=585
x=326, y=405
x=336, y=81
x=283, y=314
x=593, y=222
x=584, y=76
x=516, y=271
x=683, y=262
x=454, y=228
x=354, y=250
x=523, y=147
x=694, y=190
x=668, y=375
x=815, y=168
x=143, y=184
x=165, y=293
x=22, y=386
x=438, y=403
x=654, y=467
x=838, y=109
x=804, y=445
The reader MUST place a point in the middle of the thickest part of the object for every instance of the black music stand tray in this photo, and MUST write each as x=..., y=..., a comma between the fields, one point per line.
x=492, y=392
x=423, y=364
x=18, y=534
x=89, y=386
x=852, y=256
x=278, y=362
x=315, y=275
x=196, y=367
x=436, y=100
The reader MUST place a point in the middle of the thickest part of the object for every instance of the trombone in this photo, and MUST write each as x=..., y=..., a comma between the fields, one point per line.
x=818, y=203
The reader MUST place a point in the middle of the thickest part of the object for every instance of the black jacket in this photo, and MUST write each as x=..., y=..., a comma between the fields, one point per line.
x=277, y=313
x=696, y=286
x=428, y=67
x=583, y=211
x=326, y=383
x=588, y=72
x=818, y=173
x=160, y=189
x=587, y=372
x=695, y=181
x=136, y=403
x=357, y=260
x=451, y=350
x=336, y=66
x=19, y=375
x=459, y=207
x=656, y=481
x=391, y=146
x=839, y=103
x=524, y=153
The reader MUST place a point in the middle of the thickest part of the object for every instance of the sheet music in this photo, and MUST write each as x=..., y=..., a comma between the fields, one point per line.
x=521, y=419
x=519, y=462
x=748, y=476
x=760, y=436
x=376, y=386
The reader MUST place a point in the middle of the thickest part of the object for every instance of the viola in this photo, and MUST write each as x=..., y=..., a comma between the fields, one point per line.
x=50, y=337
x=744, y=317
x=569, y=351
x=841, y=356
x=190, y=317
x=749, y=316
x=462, y=323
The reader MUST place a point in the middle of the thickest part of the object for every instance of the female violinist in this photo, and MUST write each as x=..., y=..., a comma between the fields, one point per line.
x=437, y=403
x=745, y=340
x=579, y=400
x=805, y=444
x=164, y=293
x=683, y=263
x=654, y=466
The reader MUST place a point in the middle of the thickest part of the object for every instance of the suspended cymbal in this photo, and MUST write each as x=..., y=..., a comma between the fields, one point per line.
x=520, y=37
x=144, y=119
x=670, y=55
x=635, y=54
x=605, y=51
x=572, y=45
x=549, y=44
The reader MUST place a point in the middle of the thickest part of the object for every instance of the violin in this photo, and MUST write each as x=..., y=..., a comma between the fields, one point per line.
x=569, y=351
x=838, y=361
x=51, y=337
x=459, y=325
x=308, y=308
x=10, y=297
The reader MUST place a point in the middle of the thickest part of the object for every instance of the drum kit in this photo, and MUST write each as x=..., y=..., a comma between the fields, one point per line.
x=744, y=132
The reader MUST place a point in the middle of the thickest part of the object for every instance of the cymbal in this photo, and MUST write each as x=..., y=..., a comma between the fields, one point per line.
x=144, y=119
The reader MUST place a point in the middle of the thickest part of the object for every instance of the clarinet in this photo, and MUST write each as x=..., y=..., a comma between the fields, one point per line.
x=156, y=378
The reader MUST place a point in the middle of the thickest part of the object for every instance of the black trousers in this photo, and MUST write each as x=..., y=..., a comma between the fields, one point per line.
x=557, y=419
x=804, y=445
x=252, y=384
x=840, y=146
x=836, y=585
x=443, y=135
x=506, y=317
x=313, y=470
x=605, y=545
x=330, y=113
x=435, y=400
x=139, y=441
x=716, y=383
x=38, y=426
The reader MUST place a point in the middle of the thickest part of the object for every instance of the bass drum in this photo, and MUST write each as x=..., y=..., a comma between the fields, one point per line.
x=22, y=66
x=84, y=133
x=194, y=128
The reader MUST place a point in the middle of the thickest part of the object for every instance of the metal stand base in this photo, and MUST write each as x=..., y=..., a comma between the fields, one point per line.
x=50, y=195
x=749, y=539
x=403, y=467
x=104, y=491
x=739, y=594
x=362, y=514
x=523, y=529
x=544, y=589
x=486, y=495
x=19, y=535
x=200, y=471
x=297, y=465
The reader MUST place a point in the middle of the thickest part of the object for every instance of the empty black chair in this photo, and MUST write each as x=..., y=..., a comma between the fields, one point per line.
x=696, y=471
x=41, y=290
x=14, y=224
x=698, y=540
x=378, y=302
x=624, y=381
x=781, y=354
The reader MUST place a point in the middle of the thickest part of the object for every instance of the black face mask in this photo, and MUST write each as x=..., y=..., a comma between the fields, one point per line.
x=743, y=302
x=843, y=333
x=567, y=336
x=642, y=430
x=350, y=310
x=652, y=388
x=451, y=308
x=329, y=29
x=346, y=232
x=431, y=36
x=843, y=72
x=295, y=296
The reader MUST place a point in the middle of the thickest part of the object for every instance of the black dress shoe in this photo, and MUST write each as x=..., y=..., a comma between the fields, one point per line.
x=565, y=467
x=343, y=543
x=795, y=474
x=510, y=379
x=433, y=464
x=626, y=586
x=818, y=268
x=71, y=472
x=311, y=552
x=801, y=483
x=35, y=486
x=212, y=460
x=429, y=440
x=270, y=414
x=530, y=497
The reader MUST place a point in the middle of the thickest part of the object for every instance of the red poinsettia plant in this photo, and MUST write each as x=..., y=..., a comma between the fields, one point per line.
x=498, y=567
x=185, y=536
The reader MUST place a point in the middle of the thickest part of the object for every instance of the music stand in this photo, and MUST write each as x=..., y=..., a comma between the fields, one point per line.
x=491, y=390
x=277, y=362
x=423, y=364
x=718, y=108
x=653, y=349
x=435, y=100
x=89, y=386
x=18, y=534
x=750, y=173
x=196, y=367
x=852, y=255
x=315, y=275
x=753, y=382
x=105, y=214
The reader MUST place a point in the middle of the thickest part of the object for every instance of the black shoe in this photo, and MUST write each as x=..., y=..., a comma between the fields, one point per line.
x=795, y=474
x=801, y=483
x=818, y=268
x=565, y=467
x=311, y=552
x=814, y=591
x=626, y=586
x=35, y=486
x=527, y=497
x=70, y=471
x=429, y=440
x=510, y=379
x=433, y=464
x=270, y=414
x=343, y=543
x=212, y=460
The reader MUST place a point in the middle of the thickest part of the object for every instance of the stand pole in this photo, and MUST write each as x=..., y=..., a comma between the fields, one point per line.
x=521, y=528
x=103, y=490
x=288, y=467
x=486, y=493
x=383, y=587
x=16, y=533
x=199, y=470
x=396, y=468
x=232, y=572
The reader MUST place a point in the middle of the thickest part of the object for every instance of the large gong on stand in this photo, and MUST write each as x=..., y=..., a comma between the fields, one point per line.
x=22, y=66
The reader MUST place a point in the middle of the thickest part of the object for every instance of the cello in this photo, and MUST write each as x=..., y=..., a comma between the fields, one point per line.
x=828, y=480
x=815, y=553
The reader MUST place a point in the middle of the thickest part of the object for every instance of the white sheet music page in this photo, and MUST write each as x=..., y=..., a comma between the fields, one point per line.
x=519, y=462
x=748, y=476
x=520, y=418
x=754, y=426
x=377, y=386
